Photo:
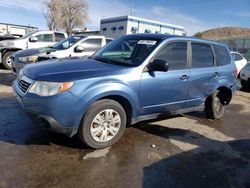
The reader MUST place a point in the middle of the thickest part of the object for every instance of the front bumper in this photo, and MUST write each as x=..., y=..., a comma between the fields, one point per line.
x=16, y=65
x=56, y=113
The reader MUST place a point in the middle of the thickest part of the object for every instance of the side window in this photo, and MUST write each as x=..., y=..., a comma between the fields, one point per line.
x=222, y=55
x=238, y=57
x=108, y=41
x=175, y=54
x=91, y=45
x=202, y=55
x=59, y=37
x=44, y=38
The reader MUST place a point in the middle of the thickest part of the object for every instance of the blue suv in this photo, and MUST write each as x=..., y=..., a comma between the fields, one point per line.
x=134, y=78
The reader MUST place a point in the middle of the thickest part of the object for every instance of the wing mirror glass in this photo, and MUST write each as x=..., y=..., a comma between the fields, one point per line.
x=79, y=49
x=33, y=39
x=158, y=65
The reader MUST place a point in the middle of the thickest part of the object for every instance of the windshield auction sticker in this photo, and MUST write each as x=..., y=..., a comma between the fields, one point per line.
x=147, y=42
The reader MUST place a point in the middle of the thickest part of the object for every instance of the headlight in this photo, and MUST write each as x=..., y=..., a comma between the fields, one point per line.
x=28, y=59
x=50, y=88
x=6, y=44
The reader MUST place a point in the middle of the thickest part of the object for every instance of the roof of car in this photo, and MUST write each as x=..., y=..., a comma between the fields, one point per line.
x=165, y=36
x=155, y=36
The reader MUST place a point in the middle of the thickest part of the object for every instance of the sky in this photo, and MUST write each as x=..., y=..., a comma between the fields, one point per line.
x=193, y=15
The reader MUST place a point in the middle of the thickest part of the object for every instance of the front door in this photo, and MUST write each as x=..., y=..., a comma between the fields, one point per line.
x=166, y=91
x=43, y=40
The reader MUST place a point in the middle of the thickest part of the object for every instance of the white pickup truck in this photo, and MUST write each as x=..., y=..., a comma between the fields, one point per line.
x=74, y=46
x=33, y=40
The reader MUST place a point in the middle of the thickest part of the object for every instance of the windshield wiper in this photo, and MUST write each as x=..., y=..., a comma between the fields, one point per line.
x=109, y=61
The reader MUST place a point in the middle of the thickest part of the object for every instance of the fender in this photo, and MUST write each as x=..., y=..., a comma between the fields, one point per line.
x=103, y=90
x=224, y=82
x=3, y=50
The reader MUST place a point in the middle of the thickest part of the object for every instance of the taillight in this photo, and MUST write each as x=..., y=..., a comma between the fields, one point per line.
x=235, y=72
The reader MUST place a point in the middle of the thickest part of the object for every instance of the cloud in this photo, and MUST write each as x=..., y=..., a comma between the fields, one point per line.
x=242, y=14
x=105, y=9
x=99, y=9
x=31, y=5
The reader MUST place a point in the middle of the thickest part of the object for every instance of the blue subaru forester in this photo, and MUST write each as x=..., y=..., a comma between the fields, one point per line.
x=134, y=78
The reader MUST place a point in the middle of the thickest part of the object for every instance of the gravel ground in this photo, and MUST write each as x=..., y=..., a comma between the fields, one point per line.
x=180, y=151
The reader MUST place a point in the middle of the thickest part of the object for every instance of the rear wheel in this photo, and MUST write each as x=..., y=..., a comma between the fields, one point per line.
x=214, y=107
x=244, y=84
x=103, y=124
x=7, y=60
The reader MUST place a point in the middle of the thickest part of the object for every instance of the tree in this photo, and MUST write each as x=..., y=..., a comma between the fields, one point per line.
x=53, y=14
x=65, y=14
x=198, y=35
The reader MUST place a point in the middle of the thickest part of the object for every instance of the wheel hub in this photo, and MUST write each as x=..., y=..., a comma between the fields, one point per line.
x=105, y=125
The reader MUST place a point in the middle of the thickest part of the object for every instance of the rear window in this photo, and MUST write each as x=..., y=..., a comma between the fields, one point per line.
x=202, y=55
x=59, y=37
x=222, y=55
x=108, y=41
x=237, y=57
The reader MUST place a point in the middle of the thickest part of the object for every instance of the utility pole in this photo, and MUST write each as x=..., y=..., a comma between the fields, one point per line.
x=131, y=8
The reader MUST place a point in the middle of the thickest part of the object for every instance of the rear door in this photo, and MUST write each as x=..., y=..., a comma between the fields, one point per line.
x=166, y=91
x=203, y=74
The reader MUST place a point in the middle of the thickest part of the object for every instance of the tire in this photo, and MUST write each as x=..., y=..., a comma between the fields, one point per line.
x=102, y=112
x=244, y=84
x=6, y=62
x=214, y=108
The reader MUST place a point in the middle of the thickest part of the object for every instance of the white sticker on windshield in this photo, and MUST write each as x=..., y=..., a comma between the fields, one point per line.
x=148, y=42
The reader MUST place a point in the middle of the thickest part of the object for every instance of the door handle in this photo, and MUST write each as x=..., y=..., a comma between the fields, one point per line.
x=184, y=77
x=216, y=74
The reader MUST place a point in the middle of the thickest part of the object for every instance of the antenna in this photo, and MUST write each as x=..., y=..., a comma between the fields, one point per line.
x=131, y=8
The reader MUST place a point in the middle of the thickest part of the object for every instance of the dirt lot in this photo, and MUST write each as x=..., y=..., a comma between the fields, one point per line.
x=190, y=151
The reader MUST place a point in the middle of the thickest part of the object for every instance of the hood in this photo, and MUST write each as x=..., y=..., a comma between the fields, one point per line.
x=27, y=52
x=62, y=70
x=33, y=51
x=54, y=53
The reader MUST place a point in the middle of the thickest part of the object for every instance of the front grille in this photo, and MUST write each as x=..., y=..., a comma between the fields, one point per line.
x=23, y=85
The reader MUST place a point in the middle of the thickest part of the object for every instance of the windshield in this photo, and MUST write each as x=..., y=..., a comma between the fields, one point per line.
x=129, y=51
x=67, y=43
x=26, y=36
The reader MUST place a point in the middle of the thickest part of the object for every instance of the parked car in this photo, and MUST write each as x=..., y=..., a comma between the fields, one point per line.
x=7, y=37
x=239, y=60
x=245, y=76
x=74, y=46
x=33, y=40
x=134, y=78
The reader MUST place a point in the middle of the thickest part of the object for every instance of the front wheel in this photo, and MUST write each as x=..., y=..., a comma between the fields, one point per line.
x=7, y=60
x=103, y=124
x=214, y=107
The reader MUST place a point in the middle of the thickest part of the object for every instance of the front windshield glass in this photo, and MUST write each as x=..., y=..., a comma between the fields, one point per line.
x=129, y=51
x=26, y=36
x=67, y=43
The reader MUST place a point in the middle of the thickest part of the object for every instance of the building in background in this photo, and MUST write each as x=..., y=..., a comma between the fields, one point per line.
x=15, y=30
x=118, y=26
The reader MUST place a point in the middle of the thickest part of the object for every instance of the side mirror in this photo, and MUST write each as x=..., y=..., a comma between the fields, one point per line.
x=158, y=65
x=79, y=49
x=33, y=39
